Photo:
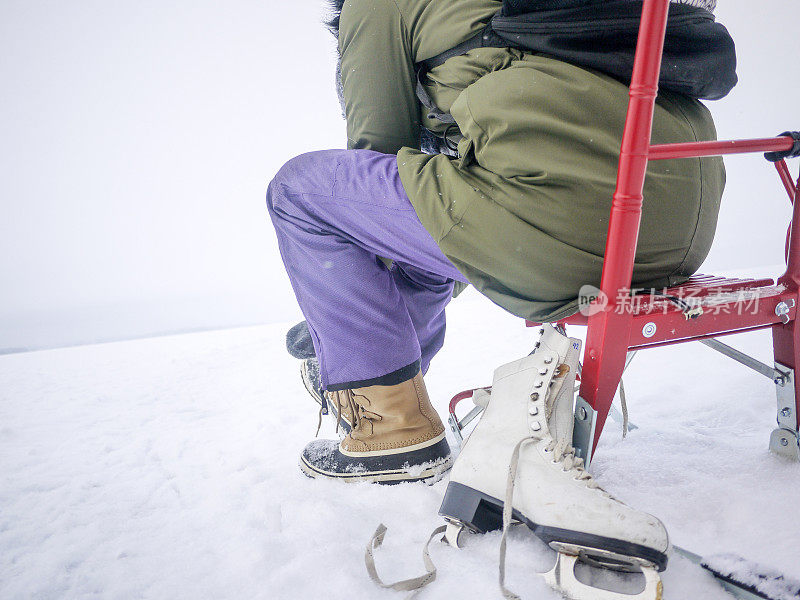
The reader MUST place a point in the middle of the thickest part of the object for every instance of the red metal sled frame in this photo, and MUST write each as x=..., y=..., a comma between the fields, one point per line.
x=616, y=329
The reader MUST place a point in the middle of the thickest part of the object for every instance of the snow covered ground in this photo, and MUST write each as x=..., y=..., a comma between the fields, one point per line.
x=167, y=468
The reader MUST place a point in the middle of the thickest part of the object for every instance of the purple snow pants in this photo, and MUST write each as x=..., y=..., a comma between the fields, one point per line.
x=335, y=212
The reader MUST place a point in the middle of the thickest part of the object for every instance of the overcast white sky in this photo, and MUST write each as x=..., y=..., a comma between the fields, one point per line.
x=138, y=139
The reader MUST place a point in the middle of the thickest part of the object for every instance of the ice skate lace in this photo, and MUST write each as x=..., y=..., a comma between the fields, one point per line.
x=564, y=454
x=623, y=398
x=413, y=585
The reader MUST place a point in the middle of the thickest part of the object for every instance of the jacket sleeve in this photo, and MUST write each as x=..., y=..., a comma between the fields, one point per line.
x=378, y=77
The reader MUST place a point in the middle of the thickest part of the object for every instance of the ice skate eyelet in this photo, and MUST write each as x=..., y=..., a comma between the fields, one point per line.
x=538, y=383
x=535, y=396
x=533, y=411
x=536, y=426
x=542, y=371
x=548, y=360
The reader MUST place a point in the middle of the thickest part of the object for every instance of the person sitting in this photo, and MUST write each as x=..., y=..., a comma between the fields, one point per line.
x=520, y=211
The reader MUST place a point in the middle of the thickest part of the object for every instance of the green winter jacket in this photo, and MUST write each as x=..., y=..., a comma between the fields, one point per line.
x=523, y=212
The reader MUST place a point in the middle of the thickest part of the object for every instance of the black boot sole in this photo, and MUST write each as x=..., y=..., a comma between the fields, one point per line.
x=321, y=460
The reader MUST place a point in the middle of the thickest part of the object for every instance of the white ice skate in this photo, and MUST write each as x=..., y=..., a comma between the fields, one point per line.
x=521, y=450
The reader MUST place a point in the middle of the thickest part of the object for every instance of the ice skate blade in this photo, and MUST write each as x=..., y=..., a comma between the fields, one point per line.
x=562, y=578
x=455, y=534
x=602, y=558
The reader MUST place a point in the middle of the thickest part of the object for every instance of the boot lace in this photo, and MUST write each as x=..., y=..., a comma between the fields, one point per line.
x=361, y=415
x=333, y=400
x=346, y=400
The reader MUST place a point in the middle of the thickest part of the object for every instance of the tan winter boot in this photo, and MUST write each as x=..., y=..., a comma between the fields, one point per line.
x=396, y=436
